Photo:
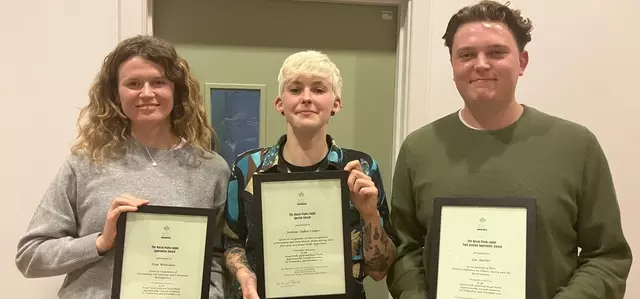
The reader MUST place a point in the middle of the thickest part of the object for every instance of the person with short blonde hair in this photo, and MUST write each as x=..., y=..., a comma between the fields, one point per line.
x=310, y=93
x=143, y=140
x=311, y=63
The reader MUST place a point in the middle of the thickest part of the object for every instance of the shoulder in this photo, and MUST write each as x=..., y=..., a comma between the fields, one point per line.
x=80, y=163
x=218, y=164
x=80, y=168
x=208, y=161
x=76, y=160
x=369, y=163
x=352, y=154
x=449, y=121
x=248, y=161
x=563, y=129
x=419, y=139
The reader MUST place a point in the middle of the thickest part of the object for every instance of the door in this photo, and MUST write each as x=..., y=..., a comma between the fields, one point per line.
x=235, y=48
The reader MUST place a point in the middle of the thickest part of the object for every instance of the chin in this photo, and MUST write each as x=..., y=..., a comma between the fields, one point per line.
x=480, y=97
x=151, y=119
x=306, y=127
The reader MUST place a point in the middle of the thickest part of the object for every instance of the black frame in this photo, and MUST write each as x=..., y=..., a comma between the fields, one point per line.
x=342, y=175
x=527, y=203
x=149, y=209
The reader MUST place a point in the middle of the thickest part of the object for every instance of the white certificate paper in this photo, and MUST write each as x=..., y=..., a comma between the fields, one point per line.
x=482, y=253
x=303, y=238
x=163, y=256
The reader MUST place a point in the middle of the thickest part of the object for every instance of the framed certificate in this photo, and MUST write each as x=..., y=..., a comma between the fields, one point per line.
x=305, y=247
x=163, y=252
x=482, y=248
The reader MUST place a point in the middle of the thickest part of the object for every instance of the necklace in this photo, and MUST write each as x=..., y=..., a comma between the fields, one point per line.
x=155, y=162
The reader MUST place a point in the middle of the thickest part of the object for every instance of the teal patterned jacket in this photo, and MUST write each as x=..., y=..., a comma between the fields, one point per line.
x=238, y=230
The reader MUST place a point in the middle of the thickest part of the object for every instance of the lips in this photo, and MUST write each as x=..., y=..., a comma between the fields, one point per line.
x=483, y=80
x=147, y=105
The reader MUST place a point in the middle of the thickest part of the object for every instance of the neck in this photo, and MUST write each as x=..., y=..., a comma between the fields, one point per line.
x=155, y=136
x=485, y=117
x=304, y=149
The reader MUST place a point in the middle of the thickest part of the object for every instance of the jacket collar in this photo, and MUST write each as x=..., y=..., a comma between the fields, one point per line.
x=273, y=160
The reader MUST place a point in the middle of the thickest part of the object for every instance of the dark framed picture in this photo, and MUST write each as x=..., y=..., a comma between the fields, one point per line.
x=482, y=247
x=163, y=252
x=304, y=236
x=237, y=112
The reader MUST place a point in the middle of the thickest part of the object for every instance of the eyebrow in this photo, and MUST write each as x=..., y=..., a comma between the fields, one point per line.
x=135, y=77
x=492, y=46
x=295, y=82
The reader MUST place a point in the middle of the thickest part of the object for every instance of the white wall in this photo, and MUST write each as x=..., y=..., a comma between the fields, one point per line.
x=51, y=53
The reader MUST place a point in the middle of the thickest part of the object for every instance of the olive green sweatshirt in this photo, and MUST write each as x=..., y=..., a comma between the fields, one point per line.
x=555, y=161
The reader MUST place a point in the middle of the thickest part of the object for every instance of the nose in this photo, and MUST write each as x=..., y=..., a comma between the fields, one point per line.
x=146, y=91
x=482, y=63
x=305, y=96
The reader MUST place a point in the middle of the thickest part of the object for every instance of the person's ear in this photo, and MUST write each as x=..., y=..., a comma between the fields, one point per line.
x=337, y=105
x=524, y=61
x=278, y=104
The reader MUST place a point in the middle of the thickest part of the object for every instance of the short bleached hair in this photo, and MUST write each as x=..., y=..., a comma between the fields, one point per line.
x=310, y=63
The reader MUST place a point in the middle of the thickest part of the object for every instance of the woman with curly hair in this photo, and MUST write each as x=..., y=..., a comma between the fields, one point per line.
x=143, y=139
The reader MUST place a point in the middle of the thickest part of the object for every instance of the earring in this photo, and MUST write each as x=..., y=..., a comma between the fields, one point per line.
x=333, y=113
x=282, y=113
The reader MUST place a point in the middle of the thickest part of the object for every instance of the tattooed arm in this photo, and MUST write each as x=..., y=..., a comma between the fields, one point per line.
x=236, y=260
x=379, y=250
x=368, y=197
x=235, y=235
x=238, y=265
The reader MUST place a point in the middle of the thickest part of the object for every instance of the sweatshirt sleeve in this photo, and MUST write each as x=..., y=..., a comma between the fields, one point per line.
x=605, y=257
x=51, y=245
x=216, y=290
x=406, y=277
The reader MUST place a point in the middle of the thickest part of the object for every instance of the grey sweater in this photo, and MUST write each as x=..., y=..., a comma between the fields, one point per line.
x=61, y=238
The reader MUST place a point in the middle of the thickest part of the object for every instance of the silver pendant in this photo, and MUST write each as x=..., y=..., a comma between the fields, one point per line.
x=154, y=164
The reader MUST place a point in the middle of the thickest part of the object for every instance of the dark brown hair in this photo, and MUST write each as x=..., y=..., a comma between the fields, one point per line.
x=103, y=126
x=492, y=11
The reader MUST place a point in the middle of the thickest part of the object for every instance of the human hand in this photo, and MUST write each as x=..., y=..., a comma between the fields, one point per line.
x=248, y=283
x=119, y=205
x=364, y=193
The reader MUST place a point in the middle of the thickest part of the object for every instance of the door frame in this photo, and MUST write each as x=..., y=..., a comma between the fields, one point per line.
x=136, y=17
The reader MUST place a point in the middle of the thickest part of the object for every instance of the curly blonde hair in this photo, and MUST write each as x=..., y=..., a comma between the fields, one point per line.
x=103, y=128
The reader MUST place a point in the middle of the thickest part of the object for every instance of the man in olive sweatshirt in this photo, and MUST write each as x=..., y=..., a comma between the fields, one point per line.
x=497, y=147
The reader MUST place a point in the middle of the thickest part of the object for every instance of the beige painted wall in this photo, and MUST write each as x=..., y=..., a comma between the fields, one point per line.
x=50, y=52
x=583, y=67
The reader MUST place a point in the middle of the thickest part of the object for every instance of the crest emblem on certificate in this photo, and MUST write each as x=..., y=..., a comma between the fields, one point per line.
x=301, y=200
x=482, y=224
x=166, y=233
